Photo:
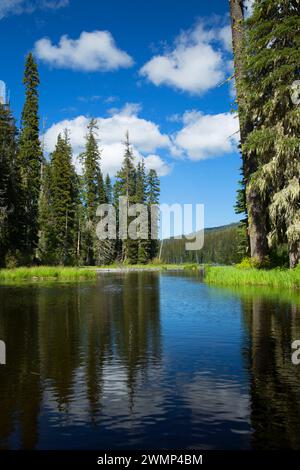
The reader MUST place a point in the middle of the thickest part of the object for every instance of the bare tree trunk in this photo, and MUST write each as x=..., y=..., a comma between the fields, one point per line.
x=256, y=212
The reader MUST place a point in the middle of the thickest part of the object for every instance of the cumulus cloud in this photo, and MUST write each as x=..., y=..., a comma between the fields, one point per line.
x=145, y=136
x=201, y=136
x=197, y=62
x=16, y=7
x=207, y=135
x=155, y=162
x=92, y=51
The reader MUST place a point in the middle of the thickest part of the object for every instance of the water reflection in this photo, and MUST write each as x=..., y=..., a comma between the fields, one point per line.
x=275, y=381
x=68, y=347
x=144, y=360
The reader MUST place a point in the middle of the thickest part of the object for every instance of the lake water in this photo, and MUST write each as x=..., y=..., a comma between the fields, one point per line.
x=148, y=361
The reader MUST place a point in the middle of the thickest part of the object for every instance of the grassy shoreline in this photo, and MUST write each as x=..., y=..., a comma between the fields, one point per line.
x=234, y=276
x=215, y=275
x=46, y=273
x=60, y=273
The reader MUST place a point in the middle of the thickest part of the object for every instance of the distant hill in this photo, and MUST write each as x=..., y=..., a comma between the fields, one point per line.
x=222, y=227
x=222, y=245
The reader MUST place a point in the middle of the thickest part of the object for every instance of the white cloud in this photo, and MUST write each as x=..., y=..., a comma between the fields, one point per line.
x=155, y=162
x=225, y=35
x=231, y=83
x=89, y=99
x=145, y=136
x=92, y=51
x=248, y=4
x=207, y=136
x=203, y=34
x=202, y=136
x=232, y=89
x=10, y=7
x=197, y=62
x=16, y=7
x=128, y=110
x=111, y=99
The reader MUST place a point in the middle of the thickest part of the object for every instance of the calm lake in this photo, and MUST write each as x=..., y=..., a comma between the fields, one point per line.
x=148, y=361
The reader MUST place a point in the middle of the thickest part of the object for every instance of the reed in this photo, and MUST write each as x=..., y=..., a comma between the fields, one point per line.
x=46, y=273
x=76, y=273
x=234, y=276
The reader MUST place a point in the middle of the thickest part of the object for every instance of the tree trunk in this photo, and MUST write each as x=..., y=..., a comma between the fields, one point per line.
x=257, y=225
x=237, y=28
x=294, y=254
x=255, y=211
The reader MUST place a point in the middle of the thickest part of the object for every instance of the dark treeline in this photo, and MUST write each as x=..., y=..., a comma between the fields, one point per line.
x=266, y=58
x=222, y=245
x=47, y=210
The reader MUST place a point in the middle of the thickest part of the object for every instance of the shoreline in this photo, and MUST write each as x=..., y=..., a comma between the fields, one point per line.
x=231, y=276
x=60, y=273
x=145, y=269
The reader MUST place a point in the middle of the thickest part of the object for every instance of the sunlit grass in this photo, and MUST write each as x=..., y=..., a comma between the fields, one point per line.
x=233, y=276
x=47, y=273
x=77, y=273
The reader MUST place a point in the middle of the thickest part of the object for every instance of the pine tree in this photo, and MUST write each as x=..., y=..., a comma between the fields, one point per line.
x=92, y=187
x=63, y=202
x=153, y=192
x=45, y=220
x=249, y=202
x=108, y=189
x=81, y=248
x=126, y=186
x=111, y=245
x=105, y=249
x=272, y=66
x=30, y=157
x=141, y=195
x=8, y=184
x=116, y=193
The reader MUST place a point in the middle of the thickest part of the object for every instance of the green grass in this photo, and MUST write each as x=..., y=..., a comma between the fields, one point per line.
x=233, y=276
x=47, y=273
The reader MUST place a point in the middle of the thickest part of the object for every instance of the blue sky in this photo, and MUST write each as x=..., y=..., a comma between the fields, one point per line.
x=150, y=67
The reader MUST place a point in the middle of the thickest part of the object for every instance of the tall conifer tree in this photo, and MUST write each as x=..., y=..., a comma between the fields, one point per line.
x=93, y=189
x=153, y=192
x=64, y=202
x=272, y=66
x=30, y=157
x=249, y=203
x=108, y=189
x=45, y=217
x=9, y=183
x=141, y=198
x=126, y=186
